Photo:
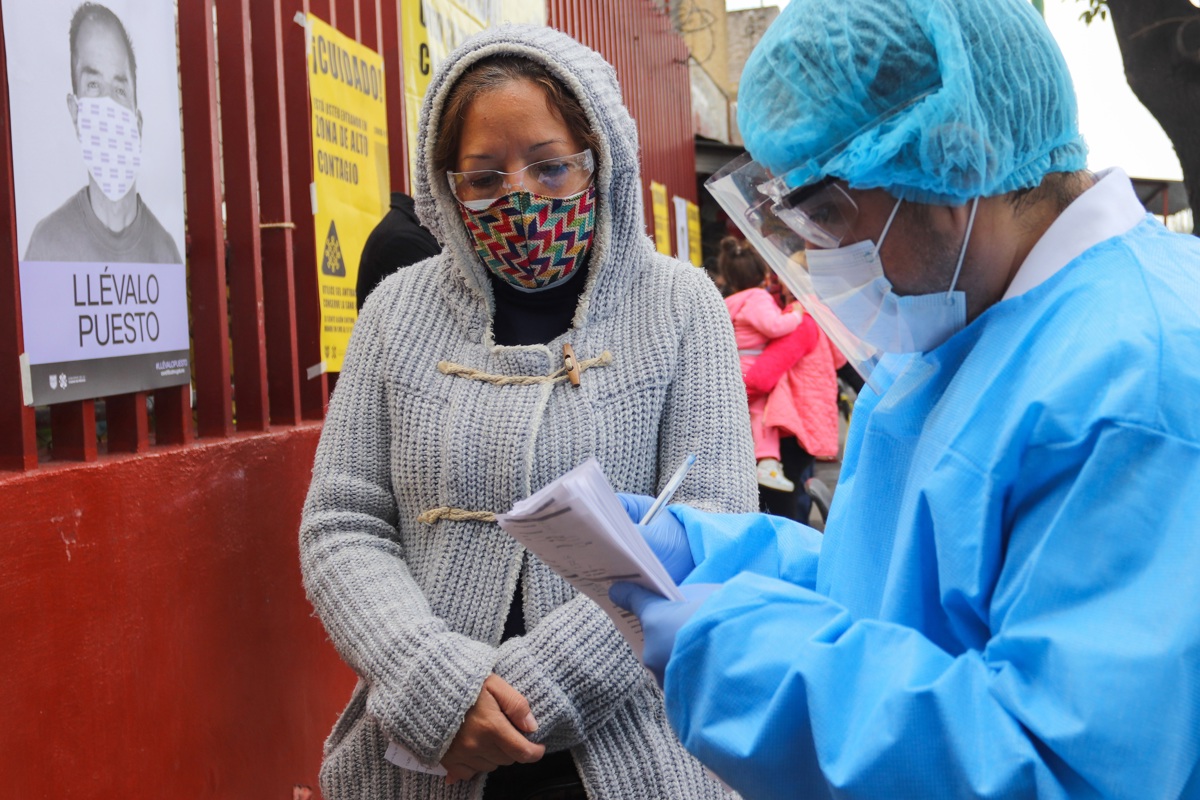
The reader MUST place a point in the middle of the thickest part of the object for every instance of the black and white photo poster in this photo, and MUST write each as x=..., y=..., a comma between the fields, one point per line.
x=98, y=171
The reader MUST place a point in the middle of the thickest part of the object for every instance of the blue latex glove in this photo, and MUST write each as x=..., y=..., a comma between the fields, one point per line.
x=665, y=535
x=661, y=618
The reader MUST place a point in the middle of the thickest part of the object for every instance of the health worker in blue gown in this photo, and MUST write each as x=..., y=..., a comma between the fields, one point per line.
x=1006, y=601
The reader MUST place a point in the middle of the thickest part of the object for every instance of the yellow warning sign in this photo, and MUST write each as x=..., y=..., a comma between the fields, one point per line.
x=418, y=69
x=350, y=171
x=693, y=229
x=662, y=218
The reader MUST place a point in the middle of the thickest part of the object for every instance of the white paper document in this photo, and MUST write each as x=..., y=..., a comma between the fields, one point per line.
x=401, y=757
x=579, y=528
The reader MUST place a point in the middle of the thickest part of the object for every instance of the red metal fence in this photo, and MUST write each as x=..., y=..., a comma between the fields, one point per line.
x=255, y=321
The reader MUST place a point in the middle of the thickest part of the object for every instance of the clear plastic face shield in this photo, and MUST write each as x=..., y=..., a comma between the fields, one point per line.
x=781, y=224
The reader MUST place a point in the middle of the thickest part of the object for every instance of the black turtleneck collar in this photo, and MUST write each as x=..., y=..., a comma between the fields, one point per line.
x=525, y=318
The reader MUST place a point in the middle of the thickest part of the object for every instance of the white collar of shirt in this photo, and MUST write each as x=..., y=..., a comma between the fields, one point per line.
x=1110, y=208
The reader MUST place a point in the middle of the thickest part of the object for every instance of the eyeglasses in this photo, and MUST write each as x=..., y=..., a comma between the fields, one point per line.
x=554, y=177
x=822, y=213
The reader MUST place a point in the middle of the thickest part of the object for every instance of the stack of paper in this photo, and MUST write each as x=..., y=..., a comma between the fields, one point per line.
x=579, y=528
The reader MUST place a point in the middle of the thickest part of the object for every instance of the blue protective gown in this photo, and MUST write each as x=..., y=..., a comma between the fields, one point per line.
x=1006, y=602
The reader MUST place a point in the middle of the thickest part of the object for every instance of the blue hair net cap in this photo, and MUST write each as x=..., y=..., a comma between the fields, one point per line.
x=935, y=101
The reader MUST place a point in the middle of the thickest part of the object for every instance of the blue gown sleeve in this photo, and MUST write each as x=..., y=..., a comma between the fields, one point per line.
x=1088, y=684
x=724, y=545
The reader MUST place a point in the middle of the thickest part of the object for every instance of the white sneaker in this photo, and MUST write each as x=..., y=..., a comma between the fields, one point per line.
x=770, y=475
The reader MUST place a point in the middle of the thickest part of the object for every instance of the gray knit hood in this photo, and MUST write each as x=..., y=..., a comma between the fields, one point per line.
x=620, y=244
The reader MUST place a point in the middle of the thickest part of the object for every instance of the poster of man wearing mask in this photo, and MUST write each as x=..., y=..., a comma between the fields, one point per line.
x=98, y=171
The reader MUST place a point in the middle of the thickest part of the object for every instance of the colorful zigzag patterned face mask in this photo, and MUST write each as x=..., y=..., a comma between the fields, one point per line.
x=530, y=241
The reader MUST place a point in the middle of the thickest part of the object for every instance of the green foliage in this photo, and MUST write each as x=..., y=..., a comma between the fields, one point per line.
x=1096, y=8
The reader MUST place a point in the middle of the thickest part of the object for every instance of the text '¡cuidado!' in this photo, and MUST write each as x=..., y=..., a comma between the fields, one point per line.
x=329, y=59
x=113, y=321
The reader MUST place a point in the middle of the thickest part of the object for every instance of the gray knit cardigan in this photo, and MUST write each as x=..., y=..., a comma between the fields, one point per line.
x=422, y=419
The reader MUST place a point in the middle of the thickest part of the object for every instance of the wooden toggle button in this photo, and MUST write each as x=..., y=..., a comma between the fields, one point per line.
x=571, y=364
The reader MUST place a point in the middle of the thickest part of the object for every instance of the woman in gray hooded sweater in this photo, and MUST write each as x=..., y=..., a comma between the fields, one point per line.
x=457, y=398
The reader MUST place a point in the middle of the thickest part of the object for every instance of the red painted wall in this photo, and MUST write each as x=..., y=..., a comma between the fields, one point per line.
x=156, y=638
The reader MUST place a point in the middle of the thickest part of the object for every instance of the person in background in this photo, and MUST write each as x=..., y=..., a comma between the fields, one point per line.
x=757, y=319
x=397, y=241
x=1006, y=601
x=797, y=374
x=106, y=220
x=776, y=289
x=547, y=331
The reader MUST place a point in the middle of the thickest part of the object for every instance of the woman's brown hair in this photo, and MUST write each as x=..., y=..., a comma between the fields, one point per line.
x=740, y=266
x=493, y=73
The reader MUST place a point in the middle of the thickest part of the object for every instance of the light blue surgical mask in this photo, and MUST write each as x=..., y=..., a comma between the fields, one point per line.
x=851, y=282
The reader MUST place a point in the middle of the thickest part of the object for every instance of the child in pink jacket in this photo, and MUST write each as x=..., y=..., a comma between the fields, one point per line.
x=757, y=319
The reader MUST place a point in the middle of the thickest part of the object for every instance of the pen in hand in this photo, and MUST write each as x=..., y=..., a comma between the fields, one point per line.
x=668, y=491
